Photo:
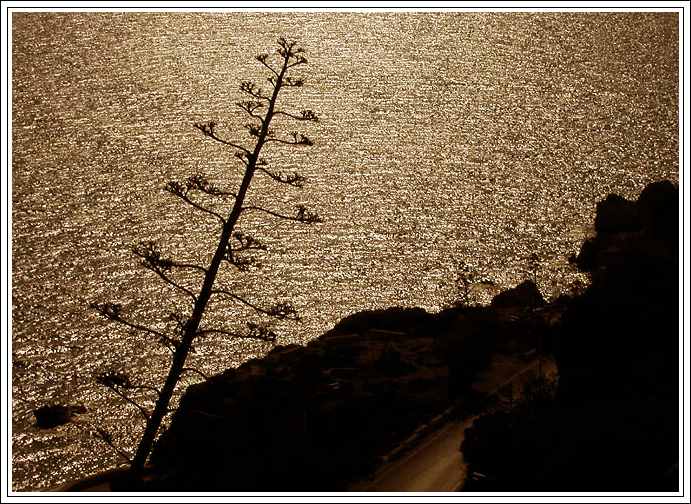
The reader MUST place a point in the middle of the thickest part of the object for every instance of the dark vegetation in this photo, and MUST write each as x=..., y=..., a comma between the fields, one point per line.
x=613, y=425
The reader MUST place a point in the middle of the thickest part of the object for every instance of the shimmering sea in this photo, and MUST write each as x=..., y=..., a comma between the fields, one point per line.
x=482, y=137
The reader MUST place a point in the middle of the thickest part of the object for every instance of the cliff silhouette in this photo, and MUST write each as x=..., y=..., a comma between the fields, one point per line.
x=318, y=417
x=613, y=425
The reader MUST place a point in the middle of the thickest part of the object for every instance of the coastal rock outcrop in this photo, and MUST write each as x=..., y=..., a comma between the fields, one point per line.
x=628, y=232
x=318, y=417
x=613, y=425
x=306, y=418
x=524, y=295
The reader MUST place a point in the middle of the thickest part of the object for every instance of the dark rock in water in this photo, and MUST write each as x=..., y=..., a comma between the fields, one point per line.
x=526, y=294
x=51, y=416
x=616, y=214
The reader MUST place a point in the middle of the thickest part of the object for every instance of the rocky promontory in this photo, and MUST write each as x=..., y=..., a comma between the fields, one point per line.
x=613, y=425
x=318, y=417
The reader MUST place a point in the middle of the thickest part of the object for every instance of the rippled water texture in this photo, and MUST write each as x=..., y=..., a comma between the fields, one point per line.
x=483, y=137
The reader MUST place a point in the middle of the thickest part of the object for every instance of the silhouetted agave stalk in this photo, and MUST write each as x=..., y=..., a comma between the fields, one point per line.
x=261, y=107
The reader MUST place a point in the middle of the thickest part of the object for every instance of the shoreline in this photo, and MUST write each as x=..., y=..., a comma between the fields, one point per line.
x=323, y=416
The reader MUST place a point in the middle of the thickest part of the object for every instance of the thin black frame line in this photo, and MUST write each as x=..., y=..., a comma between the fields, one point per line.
x=681, y=8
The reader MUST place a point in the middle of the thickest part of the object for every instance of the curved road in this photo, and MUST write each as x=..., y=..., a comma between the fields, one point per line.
x=434, y=465
x=435, y=462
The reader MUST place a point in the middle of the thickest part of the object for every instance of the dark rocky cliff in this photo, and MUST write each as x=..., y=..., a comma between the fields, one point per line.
x=315, y=418
x=614, y=423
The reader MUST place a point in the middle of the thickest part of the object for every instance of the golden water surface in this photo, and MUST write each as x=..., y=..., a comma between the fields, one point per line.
x=484, y=137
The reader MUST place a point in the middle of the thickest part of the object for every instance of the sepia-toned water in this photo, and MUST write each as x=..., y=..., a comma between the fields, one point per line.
x=482, y=137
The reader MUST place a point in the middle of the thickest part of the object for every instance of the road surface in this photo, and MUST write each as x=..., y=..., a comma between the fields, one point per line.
x=434, y=465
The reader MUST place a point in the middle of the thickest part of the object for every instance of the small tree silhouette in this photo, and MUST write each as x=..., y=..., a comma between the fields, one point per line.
x=465, y=278
x=261, y=107
x=533, y=267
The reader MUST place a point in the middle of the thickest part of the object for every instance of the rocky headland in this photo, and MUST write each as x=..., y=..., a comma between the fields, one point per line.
x=318, y=417
x=613, y=424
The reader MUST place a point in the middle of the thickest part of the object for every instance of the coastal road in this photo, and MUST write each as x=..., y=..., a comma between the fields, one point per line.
x=431, y=463
x=434, y=465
